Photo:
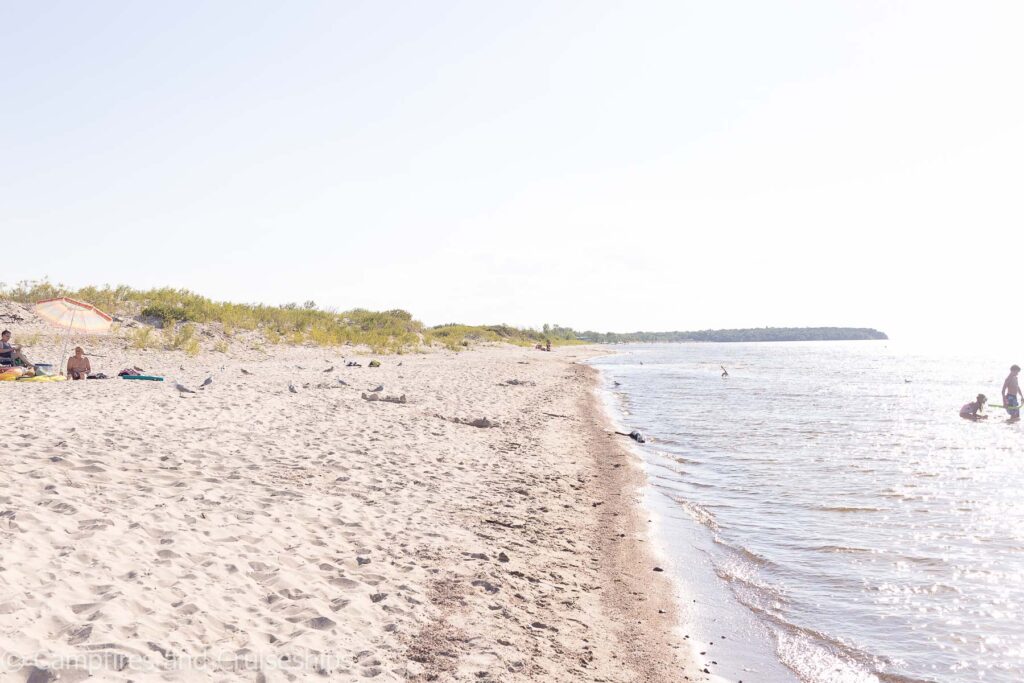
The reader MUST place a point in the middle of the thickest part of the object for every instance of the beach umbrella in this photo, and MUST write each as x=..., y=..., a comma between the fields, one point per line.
x=73, y=316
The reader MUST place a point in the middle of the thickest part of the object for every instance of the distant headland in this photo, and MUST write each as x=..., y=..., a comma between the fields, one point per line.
x=752, y=334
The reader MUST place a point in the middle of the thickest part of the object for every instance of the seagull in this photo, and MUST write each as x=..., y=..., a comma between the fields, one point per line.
x=206, y=382
x=182, y=389
x=291, y=388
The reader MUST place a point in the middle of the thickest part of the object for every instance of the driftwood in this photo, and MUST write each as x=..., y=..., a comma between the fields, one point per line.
x=480, y=422
x=374, y=396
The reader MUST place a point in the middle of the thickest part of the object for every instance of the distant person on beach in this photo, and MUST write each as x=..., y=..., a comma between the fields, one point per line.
x=971, y=411
x=10, y=353
x=1011, y=390
x=78, y=365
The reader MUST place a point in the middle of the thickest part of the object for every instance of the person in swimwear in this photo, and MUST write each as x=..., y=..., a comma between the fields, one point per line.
x=10, y=353
x=971, y=411
x=78, y=365
x=1011, y=390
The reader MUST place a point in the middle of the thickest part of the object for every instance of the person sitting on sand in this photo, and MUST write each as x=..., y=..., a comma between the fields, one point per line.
x=78, y=365
x=971, y=411
x=10, y=353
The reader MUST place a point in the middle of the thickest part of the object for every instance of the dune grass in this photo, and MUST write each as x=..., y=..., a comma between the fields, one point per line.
x=455, y=336
x=177, y=311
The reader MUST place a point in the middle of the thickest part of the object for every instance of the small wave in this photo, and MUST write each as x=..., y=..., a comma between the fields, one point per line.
x=745, y=554
x=815, y=656
x=839, y=549
x=699, y=513
x=818, y=658
x=846, y=508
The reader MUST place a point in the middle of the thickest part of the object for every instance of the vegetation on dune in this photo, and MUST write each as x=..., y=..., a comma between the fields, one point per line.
x=454, y=335
x=177, y=311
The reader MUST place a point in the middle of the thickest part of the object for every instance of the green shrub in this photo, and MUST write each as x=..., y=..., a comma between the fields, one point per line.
x=166, y=313
x=391, y=331
x=142, y=337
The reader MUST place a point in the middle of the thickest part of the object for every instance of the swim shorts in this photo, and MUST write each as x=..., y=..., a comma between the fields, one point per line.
x=1013, y=411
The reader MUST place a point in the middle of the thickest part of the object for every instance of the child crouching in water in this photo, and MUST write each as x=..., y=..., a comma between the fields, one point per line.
x=972, y=410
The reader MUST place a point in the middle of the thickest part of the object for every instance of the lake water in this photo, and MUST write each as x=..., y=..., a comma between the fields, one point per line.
x=827, y=506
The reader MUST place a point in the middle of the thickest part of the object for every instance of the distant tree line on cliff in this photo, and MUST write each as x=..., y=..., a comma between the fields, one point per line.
x=755, y=334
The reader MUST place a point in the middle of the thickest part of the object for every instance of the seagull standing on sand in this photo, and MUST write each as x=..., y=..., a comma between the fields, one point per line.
x=182, y=389
x=206, y=382
x=291, y=388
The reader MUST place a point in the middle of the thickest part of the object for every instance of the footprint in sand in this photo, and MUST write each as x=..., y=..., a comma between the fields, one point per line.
x=58, y=507
x=320, y=623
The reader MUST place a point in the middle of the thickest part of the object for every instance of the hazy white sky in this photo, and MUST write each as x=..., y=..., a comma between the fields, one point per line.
x=605, y=165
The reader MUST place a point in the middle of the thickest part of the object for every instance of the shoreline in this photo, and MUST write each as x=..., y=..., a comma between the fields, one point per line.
x=644, y=603
x=249, y=528
x=708, y=610
x=662, y=543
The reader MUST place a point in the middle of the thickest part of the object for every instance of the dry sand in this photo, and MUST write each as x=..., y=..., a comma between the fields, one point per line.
x=251, y=533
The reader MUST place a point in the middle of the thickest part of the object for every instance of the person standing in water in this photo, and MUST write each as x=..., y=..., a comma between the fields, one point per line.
x=725, y=373
x=1011, y=390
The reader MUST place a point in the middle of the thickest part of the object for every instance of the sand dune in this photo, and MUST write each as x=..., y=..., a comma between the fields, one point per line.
x=246, y=532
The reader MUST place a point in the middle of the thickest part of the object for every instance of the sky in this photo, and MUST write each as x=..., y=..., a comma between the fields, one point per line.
x=615, y=166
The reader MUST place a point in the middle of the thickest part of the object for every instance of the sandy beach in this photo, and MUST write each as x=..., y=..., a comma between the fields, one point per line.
x=252, y=532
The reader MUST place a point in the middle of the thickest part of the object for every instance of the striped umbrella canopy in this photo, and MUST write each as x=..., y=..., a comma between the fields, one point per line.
x=73, y=316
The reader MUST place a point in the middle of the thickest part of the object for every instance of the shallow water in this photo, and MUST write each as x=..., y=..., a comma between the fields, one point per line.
x=871, y=533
